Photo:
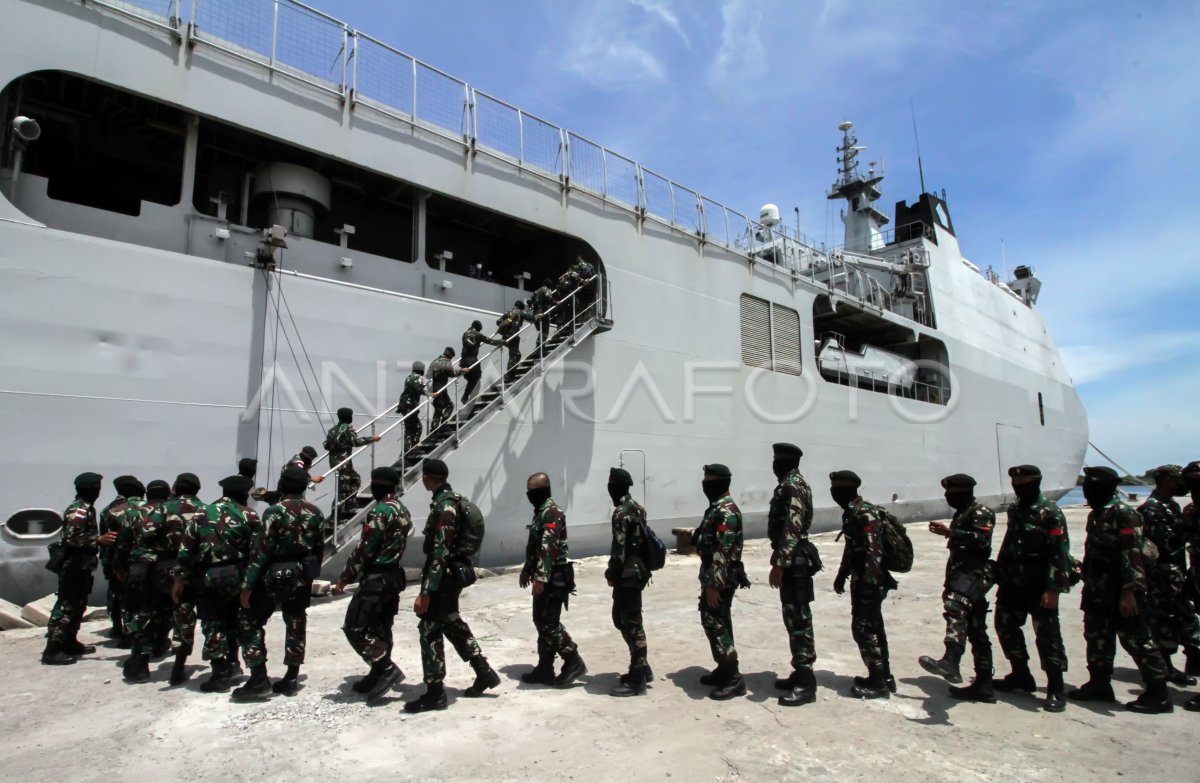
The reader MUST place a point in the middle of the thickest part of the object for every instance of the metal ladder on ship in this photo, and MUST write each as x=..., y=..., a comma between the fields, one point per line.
x=582, y=319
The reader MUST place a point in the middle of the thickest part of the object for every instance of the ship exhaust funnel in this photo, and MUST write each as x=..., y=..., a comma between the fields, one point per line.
x=295, y=194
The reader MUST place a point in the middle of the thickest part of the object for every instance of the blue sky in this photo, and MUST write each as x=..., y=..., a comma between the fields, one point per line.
x=1065, y=129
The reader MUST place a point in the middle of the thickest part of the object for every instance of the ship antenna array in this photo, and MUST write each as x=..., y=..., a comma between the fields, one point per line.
x=917, y=139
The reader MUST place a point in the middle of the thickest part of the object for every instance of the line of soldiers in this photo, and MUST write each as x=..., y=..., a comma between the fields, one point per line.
x=233, y=570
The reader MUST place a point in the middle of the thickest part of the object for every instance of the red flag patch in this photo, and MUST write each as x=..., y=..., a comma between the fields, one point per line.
x=1127, y=531
x=1056, y=531
x=550, y=526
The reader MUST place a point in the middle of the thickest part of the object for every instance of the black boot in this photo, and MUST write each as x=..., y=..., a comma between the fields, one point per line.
x=178, y=670
x=125, y=642
x=485, y=677
x=804, y=690
x=1097, y=688
x=1192, y=704
x=645, y=672
x=1055, y=698
x=573, y=668
x=75, y=647
x=221, y=677
x=542, y=674
x=733, y=686
x=946, y=667
x=1155, y=700
x=1174, y=676
x=289, y=683
x=718, y=676
x=875, y=686
x=632, y=684
x=389, y=675
x=257, y=687
x=787, y=683
x=53, y=655
x=1192, y=666
x=434, y=698
x=889, y=680
x=368, y=682
x=1021, y=679
x=981, y=690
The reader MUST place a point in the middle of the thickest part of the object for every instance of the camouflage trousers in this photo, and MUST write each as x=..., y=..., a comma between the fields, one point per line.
x=795, y=595
x=369, y=617
x=514, y=354
x=627, y=618
x=1102, y=628
x=219, y=624
x=74, y=586
x=443, y=408
x=348, y=484
x=144, y=607
x=1013, y=607
x=252, y=625
x=112, y=600
x=966, y=620
x=412, y=432
x=471, y=376
x=442, y=619
x=183, y=623
x=552, y=636
x=1173, y=613
x=866, y=625
x=718, y=628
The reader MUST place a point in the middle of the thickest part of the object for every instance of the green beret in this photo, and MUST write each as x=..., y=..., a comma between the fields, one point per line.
x=236, y=484
x=385, y=475
x=958, y=481
x=717, y=469
x=1167, y=471
x=844, y=478
x=435, y=468
x=1025, y=471
x=88, y=480
x=620, y=476
x=787, y=450
x=1101, y=473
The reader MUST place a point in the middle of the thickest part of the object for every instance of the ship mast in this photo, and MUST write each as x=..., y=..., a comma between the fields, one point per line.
x=864, y=222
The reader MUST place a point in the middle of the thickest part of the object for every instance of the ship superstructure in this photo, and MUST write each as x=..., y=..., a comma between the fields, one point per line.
x=240, y=215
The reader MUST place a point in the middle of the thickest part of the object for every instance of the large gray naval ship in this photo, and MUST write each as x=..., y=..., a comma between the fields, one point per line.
x=221, y=220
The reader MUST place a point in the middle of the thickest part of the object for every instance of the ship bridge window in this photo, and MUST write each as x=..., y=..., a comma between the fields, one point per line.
x=862, y=349
x=100, y=147
x=770, y=335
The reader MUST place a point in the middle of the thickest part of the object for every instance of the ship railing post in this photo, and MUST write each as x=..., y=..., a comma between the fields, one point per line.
x=345, y=42
x=520, y=139
x=373, y=442
x=457, y=410
x=274, y=33
x=354, y=71
x=337, y=506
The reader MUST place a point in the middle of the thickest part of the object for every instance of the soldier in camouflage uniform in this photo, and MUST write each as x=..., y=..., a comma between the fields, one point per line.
x=340, y=442
x=718, y=541
x=1034, y=568
x=447, y=556
x=113, y=519
x=1172, y=609
x=471, y=340
x=509, y=327
x=548, y=569
x=1114, y=597
x=794, y=560
x=375, y=565
x=862, y=561
x=80, y=542
x=147, y=609
x=627, y=574
x=410, y=398
x=211, y=558
x=180, y=510
x=540, y=302
x=285, y=557
x=968, y=580
x=442, y=373
x=1191, y=519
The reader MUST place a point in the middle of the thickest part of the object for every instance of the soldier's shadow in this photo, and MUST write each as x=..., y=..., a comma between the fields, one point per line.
x=600, y=684
x=513, y=671
x=688, y=681
x=831, y=681
x=760, y=687
x=936, y=700
x=346, y=695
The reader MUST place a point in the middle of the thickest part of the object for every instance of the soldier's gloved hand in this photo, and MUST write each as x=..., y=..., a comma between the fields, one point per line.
x=1129, y=603
x=776, y=577
x=523, y=580
x=839, y=584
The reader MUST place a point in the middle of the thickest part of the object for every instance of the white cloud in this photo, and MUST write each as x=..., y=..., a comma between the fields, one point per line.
x=1093, y=362
x=1149, y=424
x=662, y=9
x=741, y=58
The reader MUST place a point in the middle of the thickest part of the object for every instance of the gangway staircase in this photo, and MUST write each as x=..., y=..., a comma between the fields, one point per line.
x=580, y=314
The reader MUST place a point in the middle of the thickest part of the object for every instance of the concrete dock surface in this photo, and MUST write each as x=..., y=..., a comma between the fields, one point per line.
x=82, y=723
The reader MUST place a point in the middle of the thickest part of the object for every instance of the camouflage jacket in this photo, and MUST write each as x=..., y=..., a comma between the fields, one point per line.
x=178, y=512
x=127, y=529
x=79, y=533
x=471, y=340
x=546, y=547
x=1191, y=525
x=541, y=300
x=627, y=541
x=220, y=537
x=112, y=519
x=148, y=541
x=1112, y=555
x=788, y=518
x=1162, y=523
x=384, y=536
x=510, y=323
x=719, y=544
x=414, y=390
x=441, y=372
x=583, y=270
x=292, y=529
x=441, y=533
x=567, y=282
x=1034, y=553
x=970, y=539
x=862, y=553
x=341, y=440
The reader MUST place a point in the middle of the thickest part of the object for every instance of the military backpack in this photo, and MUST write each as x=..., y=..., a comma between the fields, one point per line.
x=468, y=537
x=897, y=548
